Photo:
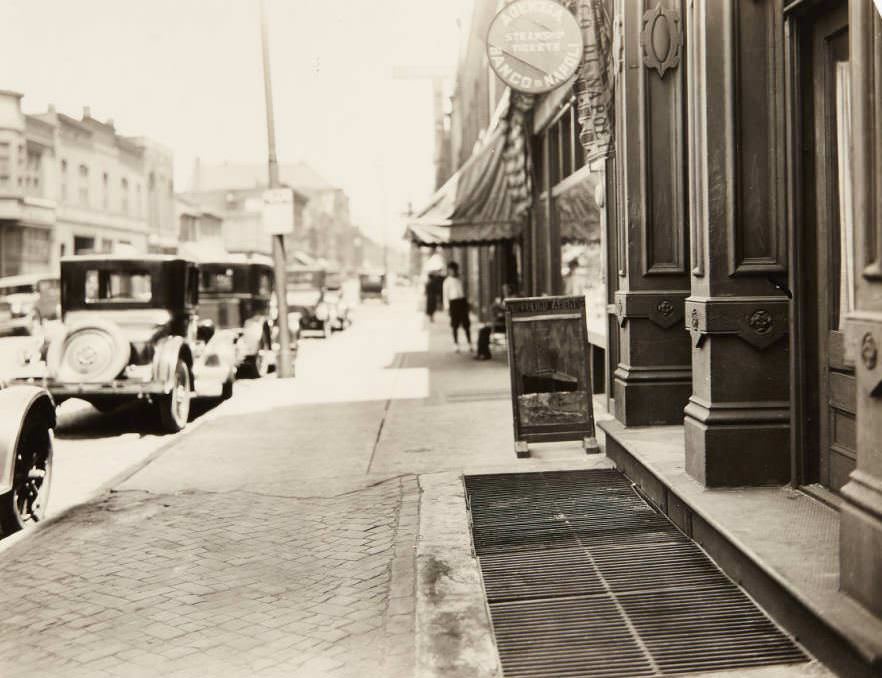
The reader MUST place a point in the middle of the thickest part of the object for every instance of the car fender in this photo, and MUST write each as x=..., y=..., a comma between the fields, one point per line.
x=223, y=346
x=254, y=331
x=17, y=405
x=165, y=358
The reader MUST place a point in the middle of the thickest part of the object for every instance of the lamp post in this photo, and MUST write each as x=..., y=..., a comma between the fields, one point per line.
x=284, y=367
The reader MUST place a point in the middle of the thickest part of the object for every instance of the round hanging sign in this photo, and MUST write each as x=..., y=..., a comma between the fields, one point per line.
x=534, y=46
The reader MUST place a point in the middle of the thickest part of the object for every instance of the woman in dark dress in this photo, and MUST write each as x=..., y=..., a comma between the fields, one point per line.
x=432, y=287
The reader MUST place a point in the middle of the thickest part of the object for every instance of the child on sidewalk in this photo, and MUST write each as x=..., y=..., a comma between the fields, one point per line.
x=457, y=305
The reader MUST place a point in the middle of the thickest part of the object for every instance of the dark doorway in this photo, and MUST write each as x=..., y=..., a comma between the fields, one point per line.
x=826, y=262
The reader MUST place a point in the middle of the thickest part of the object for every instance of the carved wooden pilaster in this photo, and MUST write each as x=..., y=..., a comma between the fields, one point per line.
x=737, y=420
x=652, y=380
x=861, y=527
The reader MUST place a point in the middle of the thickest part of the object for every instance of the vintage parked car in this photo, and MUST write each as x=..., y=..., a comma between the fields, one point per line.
x=338, y=307
x=26, y=301
x=131, y=331
x=372, y=286
x=27, y=418
x=306, y=300
x=235, y=294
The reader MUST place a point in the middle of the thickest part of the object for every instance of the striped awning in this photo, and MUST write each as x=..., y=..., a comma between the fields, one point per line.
x=485, y=200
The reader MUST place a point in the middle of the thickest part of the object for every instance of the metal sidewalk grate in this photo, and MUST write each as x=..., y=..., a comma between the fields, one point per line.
x=584, y=578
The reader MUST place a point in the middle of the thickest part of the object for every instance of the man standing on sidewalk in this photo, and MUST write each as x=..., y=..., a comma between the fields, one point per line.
x=457, y=305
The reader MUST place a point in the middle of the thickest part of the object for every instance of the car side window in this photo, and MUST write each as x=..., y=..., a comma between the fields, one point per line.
x=265, y=284
x=193, y=287
x=102, y=286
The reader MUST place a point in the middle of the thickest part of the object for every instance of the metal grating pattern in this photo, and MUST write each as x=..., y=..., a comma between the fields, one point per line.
x=584, y=578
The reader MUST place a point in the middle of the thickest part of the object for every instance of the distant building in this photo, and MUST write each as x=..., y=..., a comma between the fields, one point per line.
x=27, y=201
x=199, y=229
x=323, y=227
x=240, y=210
x=71, y=185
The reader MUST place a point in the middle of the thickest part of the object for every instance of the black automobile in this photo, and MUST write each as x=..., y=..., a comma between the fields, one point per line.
x=235, y=293
x=131, y=331
x=26, y=301
x=372, y=286
x=307, y=306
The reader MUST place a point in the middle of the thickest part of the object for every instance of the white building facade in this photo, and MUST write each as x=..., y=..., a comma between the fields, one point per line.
x=71, y=186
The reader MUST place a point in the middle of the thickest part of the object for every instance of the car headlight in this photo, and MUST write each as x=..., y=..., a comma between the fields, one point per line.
x=321, y=311
x=16, y=308
x=139, y=372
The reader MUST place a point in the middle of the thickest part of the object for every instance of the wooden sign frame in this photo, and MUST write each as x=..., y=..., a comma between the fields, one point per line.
x=551, y=334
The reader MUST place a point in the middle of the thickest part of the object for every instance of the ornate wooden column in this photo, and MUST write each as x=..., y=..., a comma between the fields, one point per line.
x=653, y=378
x=737, y=420
x=861, y=528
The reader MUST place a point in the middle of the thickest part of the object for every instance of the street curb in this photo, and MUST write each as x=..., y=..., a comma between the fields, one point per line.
x=13, y=540
x=454, y=636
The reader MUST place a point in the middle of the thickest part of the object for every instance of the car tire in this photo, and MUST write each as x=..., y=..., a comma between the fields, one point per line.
x=257, y=366
x=227, y=389
x=174, y=407
x=25, y=504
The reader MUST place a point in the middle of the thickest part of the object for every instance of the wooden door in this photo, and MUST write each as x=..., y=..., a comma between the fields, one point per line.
x=828, y=266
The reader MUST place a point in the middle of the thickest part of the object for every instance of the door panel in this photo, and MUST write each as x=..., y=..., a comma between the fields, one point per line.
x=827, y=266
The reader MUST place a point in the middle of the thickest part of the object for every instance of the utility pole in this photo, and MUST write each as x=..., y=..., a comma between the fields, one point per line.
x=284, y=369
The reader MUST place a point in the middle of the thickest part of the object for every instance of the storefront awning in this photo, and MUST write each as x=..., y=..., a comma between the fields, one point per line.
x=477, y=205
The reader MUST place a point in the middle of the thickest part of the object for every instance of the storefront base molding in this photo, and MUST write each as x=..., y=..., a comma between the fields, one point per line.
x=861, y=535
x=651, y=396
x=777, y=542
x=861, y=544
x=736, y=445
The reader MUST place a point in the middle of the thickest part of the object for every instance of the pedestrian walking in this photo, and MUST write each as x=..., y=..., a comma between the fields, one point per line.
x=431, y=299
x=457, y=305
x=433, y=274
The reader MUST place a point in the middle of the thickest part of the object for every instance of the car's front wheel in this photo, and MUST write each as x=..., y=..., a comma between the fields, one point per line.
x=258, y=365
x=25, y=504
x=174, y=407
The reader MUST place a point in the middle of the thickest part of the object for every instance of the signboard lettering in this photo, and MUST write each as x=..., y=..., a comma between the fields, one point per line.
x=278, y=211
x=534, y=46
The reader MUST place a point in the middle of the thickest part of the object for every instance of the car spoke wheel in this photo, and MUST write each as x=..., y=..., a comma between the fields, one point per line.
x=174, y=407
x=25, y=504
x=262, y=359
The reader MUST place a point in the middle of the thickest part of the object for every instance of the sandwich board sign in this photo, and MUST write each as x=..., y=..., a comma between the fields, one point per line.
x=550, y=380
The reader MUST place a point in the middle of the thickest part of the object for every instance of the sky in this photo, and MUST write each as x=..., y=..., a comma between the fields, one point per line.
x=188, y=74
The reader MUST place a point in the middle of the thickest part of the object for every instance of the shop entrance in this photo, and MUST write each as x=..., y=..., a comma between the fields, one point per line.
x=826, y=275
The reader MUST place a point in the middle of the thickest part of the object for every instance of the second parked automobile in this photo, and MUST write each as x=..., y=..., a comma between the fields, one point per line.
x=235, y=294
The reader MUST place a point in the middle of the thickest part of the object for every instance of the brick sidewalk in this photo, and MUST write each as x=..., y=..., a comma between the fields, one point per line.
x=279, y=537
x=209, y=584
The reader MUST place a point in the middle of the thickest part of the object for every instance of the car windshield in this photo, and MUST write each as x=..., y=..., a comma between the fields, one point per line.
x=304, y=280
x=103, y=286
x=16, y=289
x=303, y=297
x=217, y=281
